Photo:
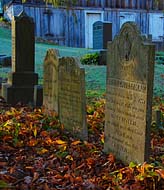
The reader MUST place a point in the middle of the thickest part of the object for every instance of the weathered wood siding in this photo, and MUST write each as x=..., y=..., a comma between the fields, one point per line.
x=68, y=27
x=61, y=26
x=125, y=4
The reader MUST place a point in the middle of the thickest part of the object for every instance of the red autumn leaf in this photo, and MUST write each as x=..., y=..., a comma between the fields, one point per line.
x=80, y=166
x=67, y=176
x=78, y=179
x=111, y=158
x=90, y=162
x=48, y=141
x=2, y=164
x=32, y=142
x=44, y=133
x=7, y=138
x=160, y=172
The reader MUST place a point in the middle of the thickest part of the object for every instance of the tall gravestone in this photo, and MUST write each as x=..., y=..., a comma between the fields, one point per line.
x=130, y=73
x=50, y=80
x=72, y=102
x=21, y=81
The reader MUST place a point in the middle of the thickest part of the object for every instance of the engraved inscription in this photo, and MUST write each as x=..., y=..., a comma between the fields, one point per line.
x=127, y=105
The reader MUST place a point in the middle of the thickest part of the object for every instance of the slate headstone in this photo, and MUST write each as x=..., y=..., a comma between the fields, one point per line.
x=130, y=74
x=23, y=47
x=72, y=101
x=22, y=79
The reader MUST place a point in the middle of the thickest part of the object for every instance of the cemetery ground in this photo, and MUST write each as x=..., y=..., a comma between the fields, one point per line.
x=37, y=152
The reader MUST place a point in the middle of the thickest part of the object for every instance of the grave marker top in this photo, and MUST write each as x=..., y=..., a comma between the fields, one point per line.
x=23, y=42
x=130, y=73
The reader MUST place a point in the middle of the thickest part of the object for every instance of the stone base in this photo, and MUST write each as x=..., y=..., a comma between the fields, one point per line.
x=16, y=94
x=38, y=95
x=23, y=78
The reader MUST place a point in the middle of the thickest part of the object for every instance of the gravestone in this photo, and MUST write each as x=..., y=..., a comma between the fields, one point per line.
x=102, y=33
x=21, y=81
x=72, y=102
x=130, y=73
x=50, y=80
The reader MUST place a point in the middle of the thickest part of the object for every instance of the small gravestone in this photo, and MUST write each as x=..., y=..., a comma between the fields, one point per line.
x=21, y=81
x=50, y=80
x=130, y=73
x=72, y=102
x=102, y=33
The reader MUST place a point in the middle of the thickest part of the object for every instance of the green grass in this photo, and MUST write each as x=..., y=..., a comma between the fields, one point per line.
x=95, y=75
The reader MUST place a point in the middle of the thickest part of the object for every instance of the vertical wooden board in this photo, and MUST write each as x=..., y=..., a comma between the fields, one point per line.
x=156, y=26
x=126, y=3
x=45, y=25
x=71, y=29
x=108, y=3
x=41, y=22
x=114, y=19
x=82, y=29
x=144, y=22
x=77, y=28
x=37, y=22
x=113, y=4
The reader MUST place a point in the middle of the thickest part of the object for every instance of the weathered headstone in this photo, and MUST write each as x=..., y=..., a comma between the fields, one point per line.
x=21, y=81
x=130, y=73
x=102, y=33
x=72, y=102
x=50, y=80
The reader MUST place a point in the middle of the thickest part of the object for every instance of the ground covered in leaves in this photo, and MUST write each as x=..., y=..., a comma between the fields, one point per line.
x=37, y=153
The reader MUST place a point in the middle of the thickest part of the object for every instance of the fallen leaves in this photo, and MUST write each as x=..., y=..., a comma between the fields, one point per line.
x=37, y=153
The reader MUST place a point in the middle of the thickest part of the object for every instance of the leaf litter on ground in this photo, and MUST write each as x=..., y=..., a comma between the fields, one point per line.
x=36, y=152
